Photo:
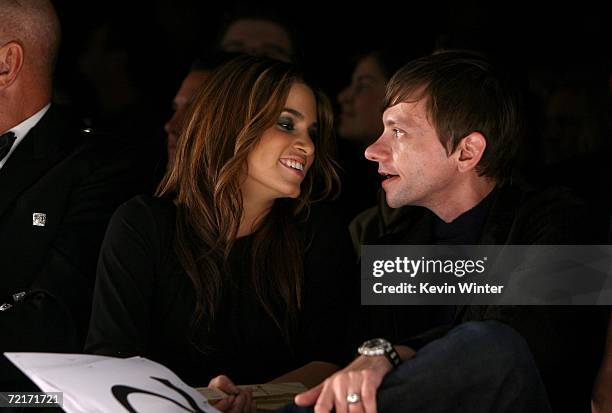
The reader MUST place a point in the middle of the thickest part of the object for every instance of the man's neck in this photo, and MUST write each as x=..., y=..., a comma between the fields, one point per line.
x=464, y=197
x=21, y=103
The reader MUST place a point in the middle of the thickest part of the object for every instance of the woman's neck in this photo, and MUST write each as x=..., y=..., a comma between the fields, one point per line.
x=253, y=212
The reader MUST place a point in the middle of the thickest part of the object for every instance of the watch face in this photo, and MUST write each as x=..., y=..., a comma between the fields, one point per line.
x=380, y=347
x=374, y=343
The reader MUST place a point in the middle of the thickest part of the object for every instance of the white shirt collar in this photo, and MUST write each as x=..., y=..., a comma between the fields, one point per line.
x=22, y=130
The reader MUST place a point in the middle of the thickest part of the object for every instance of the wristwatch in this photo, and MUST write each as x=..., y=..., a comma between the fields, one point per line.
x=380, y=347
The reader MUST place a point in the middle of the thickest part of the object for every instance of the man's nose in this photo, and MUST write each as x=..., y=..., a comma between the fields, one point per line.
x=376, y=151
x=171, y=125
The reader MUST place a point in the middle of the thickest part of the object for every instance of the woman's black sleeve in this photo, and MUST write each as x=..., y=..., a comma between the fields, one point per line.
x=123, y=297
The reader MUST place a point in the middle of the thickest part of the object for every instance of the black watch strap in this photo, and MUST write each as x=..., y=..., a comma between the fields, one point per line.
x=380, y=347
x=393, y=357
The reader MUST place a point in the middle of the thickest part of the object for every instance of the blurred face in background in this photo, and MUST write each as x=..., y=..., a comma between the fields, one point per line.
x=361, y=103
x=568, y=131
x=258, y=38
x=180, y=104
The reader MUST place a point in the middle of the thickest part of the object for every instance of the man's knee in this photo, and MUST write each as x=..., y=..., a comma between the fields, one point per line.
x=494, y=343
x=485, y=363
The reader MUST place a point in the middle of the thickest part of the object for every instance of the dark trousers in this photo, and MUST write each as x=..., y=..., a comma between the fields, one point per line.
x=477, y=367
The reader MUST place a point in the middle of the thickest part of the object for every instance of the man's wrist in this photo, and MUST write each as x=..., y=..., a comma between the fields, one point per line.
x=380, y=364
x=404, y=352
x=380, y=347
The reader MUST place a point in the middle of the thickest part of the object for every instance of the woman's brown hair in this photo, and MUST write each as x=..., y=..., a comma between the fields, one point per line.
x=242, y=99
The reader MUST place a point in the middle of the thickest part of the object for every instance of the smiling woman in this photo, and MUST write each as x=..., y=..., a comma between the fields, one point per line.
x=280, y=161
x=221, y=273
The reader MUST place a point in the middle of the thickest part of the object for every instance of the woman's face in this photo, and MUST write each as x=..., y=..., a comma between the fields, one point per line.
x=361, y=103
x=279, y=162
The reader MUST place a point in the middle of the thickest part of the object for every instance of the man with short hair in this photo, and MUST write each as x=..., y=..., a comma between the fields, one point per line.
x=199, y=72
x=59, y=185
x=452, y=125
x=258, y=31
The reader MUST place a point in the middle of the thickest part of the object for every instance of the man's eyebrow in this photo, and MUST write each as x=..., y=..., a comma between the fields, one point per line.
x=404, y=121
x=390, y=122
x=361, y=78
x=294, y=112
x=231, y=43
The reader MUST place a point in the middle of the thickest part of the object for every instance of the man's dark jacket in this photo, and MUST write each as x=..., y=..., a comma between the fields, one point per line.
x=567, y=342
x=73, y=180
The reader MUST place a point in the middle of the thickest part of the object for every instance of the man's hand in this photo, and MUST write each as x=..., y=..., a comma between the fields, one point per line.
x=238, y=401
x=363, y=377
x=601, y=401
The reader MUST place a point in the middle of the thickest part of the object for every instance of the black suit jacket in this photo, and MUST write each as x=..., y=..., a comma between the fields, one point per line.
x=567, y=342
x=77, y=180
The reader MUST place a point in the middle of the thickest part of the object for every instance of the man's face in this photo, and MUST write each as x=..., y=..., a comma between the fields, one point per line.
x=361, y=102
x=258, y=38
x=181, y=102
x=416, y=166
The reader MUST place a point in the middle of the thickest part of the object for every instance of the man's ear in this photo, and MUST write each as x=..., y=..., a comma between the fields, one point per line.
x=11, y=62
x=470, y=151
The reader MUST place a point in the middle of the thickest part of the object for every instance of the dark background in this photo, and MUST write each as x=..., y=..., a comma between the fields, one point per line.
x=122, y=80
x=164, y=35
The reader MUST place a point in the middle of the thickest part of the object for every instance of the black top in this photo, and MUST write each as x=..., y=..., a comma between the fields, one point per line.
x=466, y=228
x=395, y=323
x=144, y=302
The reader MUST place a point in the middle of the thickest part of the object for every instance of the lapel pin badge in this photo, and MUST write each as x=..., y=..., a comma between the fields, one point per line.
x=39, y=219
x=19, y=296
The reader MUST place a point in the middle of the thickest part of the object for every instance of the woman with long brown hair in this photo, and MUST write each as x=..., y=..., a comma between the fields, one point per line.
x=225, y=271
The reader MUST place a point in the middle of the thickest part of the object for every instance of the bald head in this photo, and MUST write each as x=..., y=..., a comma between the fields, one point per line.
x=33, y=24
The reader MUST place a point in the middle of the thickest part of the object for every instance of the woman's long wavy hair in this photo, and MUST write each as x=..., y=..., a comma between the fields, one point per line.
x=242, y=99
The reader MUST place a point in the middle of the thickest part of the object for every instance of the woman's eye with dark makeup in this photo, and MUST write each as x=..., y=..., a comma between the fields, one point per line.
x=313, y=133
x=286, y=123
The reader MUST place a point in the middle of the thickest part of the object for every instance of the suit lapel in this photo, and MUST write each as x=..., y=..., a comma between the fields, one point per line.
x=31, y=159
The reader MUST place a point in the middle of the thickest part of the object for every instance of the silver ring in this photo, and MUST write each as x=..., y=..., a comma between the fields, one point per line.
x=353, y=398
